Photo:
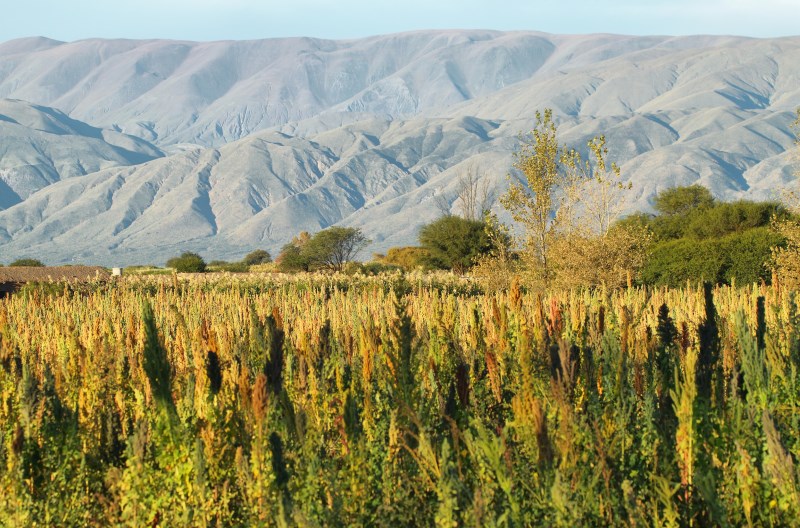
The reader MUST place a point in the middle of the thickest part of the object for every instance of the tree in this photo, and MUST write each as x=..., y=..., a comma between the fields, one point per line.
x=454, y=243
x=570, y=202
x=698, y=238
x=535, y=207
x=681, y=200
x=292, y=256
x=732, y=217
x=188, y=262
x=333, y=247
x=738, y=256
x=474, y=196
x=259, y=256
x=27, y=262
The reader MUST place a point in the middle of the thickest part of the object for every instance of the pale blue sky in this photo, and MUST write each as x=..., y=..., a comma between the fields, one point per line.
x=252, y=19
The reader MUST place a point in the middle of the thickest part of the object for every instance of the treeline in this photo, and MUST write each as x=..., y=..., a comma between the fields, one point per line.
x=190, y=262
x=697, y=237
x=690, y=237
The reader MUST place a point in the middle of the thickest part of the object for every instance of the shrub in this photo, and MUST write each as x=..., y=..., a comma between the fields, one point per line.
x=407, y=258
x=673, y=262
x=700, y=239
x=256, y=257
x=27, y=262
x=334, y=247
x=188, y=262
x=740, y=257
x=681, y=200
x=329, y=249
x=292, y=257
x=454, y=243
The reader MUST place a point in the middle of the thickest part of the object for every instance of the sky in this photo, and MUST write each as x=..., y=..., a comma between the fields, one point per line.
x=254, y=19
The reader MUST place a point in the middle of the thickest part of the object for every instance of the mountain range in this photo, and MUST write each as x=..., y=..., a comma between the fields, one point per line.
x=120, y=151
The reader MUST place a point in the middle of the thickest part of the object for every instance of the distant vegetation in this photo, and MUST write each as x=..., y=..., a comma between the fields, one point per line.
x=259, y=256
x=573, y=234
x=453, y=243
x=330, y=249
x=193, y=263
x=188, y=262
x=708, y=240
x=28, y=262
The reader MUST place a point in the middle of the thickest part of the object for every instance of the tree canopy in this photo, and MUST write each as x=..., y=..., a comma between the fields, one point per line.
x=454, y=243
x=699, y=238
x=329, y=249
x=188, y=262
x=28, y=262
x=333, y=247
x=681, y=200
x=259, y=256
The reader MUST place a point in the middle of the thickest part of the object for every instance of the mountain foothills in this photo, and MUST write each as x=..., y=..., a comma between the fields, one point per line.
x=123, y=152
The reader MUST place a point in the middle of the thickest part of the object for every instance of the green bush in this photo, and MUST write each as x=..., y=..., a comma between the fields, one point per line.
x=292, y=259
x=188, y=262
x=27, y=262
x=257, y=257
x=711, y=220
x=733, y=217
x=698, y=238
x=330, y=249
x=407, y=258
x=454, y=243
x=682, y=200
x=749, y=254
x=740, y=257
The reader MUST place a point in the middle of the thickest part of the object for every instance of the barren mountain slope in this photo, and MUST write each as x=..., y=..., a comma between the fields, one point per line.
x=40, y=146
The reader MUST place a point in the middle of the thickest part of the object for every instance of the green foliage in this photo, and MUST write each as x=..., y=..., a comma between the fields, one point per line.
x=259, y=256
x=698, y=238
x=330, y=249
x=407, y=258
x=27, y=262
x=719, y=219
x=333, y=247
x=188, y=262
x=454, y=243
x=733, y=217
x=682, y=200
x=740, y=257
x=293, y=258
